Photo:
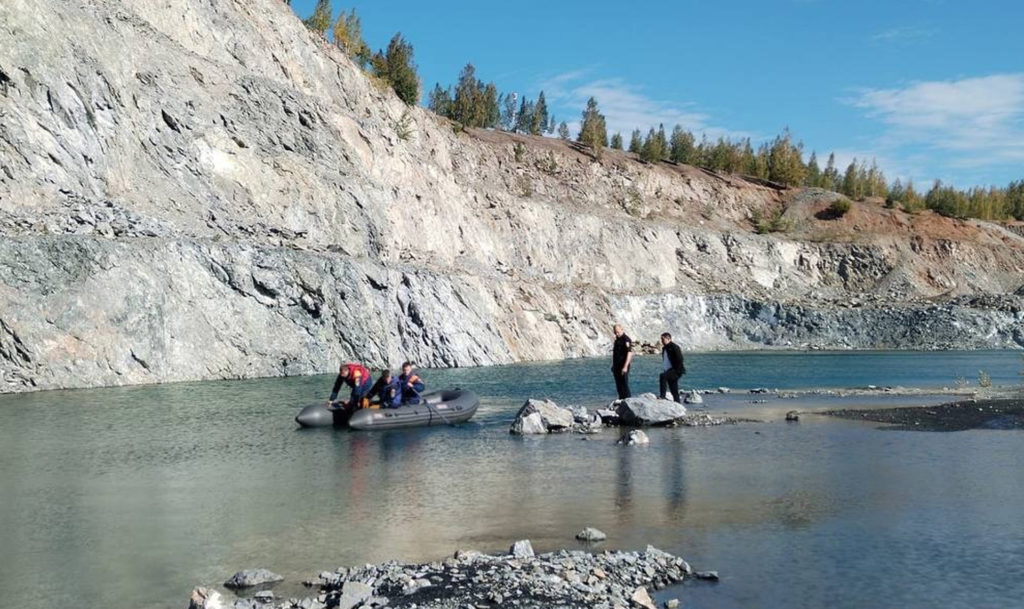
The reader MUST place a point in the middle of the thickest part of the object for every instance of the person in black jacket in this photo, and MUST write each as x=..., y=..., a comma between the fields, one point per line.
x=672, y=361
x=622, y=356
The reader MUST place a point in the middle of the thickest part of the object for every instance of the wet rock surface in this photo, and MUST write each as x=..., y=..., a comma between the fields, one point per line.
x=1007, y=413
x=647, y=409
x=565, y=578
x=252, y=577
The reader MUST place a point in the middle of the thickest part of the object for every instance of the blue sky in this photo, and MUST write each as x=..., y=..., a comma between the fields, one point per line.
x=929, y=88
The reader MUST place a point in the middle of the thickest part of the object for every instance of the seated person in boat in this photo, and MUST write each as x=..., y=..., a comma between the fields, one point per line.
x=411, y=384
x=357, y=377
x=387, y=391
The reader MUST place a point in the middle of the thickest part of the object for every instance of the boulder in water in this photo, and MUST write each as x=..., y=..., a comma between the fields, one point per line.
x=648, y=410
x=634, y=438
x=591, y=534
x=693, y=397
x=541, y=416
x=252, y=577
x=205, y=598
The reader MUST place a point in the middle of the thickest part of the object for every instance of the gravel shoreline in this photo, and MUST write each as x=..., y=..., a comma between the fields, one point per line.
x=994, y=413
x=519, y=579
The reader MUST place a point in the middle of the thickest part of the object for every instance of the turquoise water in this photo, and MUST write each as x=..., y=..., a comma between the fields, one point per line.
x=130, y=497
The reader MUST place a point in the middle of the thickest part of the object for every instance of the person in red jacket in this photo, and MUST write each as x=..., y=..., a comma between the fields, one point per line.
x=357, y=377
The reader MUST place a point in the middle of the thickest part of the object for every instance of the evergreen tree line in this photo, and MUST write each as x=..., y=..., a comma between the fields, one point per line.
x=394, y=66
x=781, y=161
x=472, y=103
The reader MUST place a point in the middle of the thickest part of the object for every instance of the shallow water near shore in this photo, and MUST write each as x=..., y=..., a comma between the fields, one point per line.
x=129, y=497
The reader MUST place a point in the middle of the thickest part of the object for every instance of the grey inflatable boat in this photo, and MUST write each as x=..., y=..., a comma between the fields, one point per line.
x=446, y=407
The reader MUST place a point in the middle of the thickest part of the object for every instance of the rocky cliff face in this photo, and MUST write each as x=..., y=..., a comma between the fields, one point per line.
x=197, y=190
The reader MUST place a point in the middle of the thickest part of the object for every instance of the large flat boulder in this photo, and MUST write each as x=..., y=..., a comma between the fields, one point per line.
x=541, y=416
x=648, y=410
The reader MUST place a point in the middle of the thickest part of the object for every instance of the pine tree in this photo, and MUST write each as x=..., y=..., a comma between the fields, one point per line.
x=539, y=124
x=464, y=99
x=1015, y=199
x=897, y=194
x=440, y=101
x=563, y=131
x=813, y=177
x=662, y=144
x=552, y=125
x=524, y=118
x=320, y=20
x=508, y=112
x=785, y=165
x=876, y=186
x=681, y=146
x=396, y=68
x=593, y=132
x=761, y=162
x=830, y=177
x=636, y=142
x=617, y=141
x=491, y=109
x=348, y=35
x=749, y=160
x=851, y=186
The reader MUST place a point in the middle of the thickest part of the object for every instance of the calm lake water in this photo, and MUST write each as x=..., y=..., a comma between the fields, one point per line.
x=130, y=497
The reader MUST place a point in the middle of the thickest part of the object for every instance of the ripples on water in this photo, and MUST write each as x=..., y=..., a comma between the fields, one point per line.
x=129, y=497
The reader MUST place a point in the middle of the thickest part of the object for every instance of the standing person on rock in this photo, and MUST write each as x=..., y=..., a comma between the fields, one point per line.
x=357, y=377
x=622, y=357
x=673, y=367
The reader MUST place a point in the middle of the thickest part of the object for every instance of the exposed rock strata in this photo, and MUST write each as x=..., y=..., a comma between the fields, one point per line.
x=196, y=190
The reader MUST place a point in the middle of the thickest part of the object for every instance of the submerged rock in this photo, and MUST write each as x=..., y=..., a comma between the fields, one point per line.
x=634, y=438
x=591, y=534
x=648, y=410
x=792, y=416
x=252, y=577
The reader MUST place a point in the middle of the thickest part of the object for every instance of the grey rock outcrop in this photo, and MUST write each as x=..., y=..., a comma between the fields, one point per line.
x=541, y=417
x=647, y=409
x=591, y=534
x=204, y=190
x=521, y=549
x=252, y=577
x=205, y=598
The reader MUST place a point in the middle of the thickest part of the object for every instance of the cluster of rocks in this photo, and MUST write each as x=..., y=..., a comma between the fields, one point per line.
x=77, y=215
x=519, y=579
x=545, y=416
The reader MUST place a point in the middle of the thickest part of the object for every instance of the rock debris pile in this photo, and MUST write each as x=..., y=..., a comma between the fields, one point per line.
x=519, y=579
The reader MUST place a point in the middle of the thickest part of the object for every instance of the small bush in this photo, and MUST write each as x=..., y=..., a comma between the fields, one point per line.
x=633, y=202
x=518, y=151
x=404, y=127
x=984, y=379
x=839, y=207
x=773, y=223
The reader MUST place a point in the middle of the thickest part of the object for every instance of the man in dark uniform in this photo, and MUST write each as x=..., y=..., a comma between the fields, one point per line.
x=622, y=356
x=672, y=362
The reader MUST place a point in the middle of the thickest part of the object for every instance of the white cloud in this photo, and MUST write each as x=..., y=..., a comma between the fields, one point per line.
x=978, y=120
x=625, y=108
x=904, y=34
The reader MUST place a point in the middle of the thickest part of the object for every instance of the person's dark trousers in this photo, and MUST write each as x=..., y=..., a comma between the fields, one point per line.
x=670, y=379
x=621, y=384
